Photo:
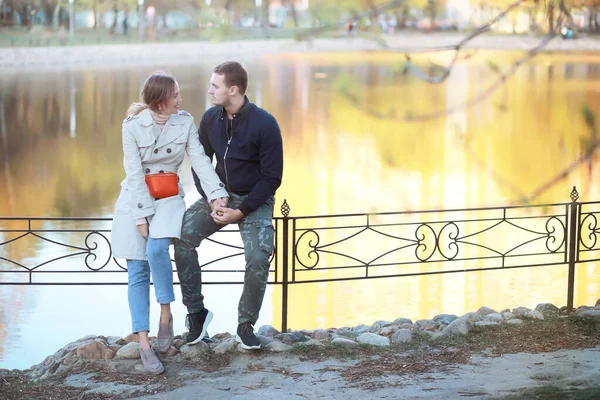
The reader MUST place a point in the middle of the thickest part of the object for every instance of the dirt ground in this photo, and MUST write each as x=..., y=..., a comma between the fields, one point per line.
x=553, y=359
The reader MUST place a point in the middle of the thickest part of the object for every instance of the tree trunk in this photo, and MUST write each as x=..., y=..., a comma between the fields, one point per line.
x=551, y=17
x=265, y=13
x=48, y=13
x=56, y=16
x=432, y=13
x=95, y=10
x=25, y=16
x=294, y=13
x=113, y=28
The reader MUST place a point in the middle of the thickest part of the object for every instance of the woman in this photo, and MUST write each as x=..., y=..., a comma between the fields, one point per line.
x=156, y=134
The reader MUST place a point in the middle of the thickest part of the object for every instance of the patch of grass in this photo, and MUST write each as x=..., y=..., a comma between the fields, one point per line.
x=211, y=361
x=17, y=386
x=336, y=350
x=554, y=393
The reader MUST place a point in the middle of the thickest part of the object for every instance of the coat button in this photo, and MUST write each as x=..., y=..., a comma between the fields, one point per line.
x=221, y=184
x=155, y=151
x=140, y=205
x=168, y=150
x=147, y=170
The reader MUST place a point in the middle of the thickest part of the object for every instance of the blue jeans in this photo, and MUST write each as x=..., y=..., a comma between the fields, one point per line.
x=138, y=283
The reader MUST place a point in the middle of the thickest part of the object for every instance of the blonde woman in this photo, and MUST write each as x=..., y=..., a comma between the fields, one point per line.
x=149, y=210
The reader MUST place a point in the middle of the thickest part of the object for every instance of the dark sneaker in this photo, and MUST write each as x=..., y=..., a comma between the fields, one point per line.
x=197, y=324
x=206, y=339
x=246, y=337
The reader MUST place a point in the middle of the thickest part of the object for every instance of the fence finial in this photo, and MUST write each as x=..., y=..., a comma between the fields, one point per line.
x=285, y=208
x=574, y=194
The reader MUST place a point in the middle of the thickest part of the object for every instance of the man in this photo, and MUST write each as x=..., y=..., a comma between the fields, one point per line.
x=246, y=142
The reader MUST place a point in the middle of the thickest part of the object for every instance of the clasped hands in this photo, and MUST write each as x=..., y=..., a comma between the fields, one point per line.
x=223, y=215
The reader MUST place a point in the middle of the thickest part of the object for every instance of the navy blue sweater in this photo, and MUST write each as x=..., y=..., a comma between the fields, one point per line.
x=249, y=152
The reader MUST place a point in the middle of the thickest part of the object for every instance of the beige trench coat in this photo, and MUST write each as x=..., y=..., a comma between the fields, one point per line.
x=147, y=150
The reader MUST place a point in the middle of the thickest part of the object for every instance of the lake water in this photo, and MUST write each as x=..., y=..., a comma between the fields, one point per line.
x=347, y=150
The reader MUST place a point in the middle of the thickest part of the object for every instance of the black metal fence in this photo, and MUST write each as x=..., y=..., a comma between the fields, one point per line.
x=312, y=249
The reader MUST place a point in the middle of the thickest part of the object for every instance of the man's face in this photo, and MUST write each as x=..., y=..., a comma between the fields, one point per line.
x=218, y=90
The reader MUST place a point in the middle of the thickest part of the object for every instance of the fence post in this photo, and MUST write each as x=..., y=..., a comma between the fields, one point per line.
x=285, y=211
x=573, y=241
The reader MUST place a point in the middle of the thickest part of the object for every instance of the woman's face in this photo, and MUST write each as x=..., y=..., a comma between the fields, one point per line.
x=171, y=106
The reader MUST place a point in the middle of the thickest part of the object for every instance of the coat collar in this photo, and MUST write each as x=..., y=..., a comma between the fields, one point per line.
x=171, y=130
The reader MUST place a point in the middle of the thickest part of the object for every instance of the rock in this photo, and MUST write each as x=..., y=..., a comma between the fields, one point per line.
x=69, y=359
x=321, y=334
x=514, y=321
x=402, y=336
x=426, y=325
x=374, y=339
x=400, y=321
x=276, y=346
x=494, y=317
x=535, y=314
x=344, y=342
x=582, y=309
x=595, y=314
x=221, y=337
x=461, y=326
x=345, y=334
x=361, y=329
x=444, y=319
x=131, y=351
x=389, y=331
x=547, y=308
x=507, y=315
x=472, y=317
x=88, y=338
x=178, y=343
x=291, y=338
x=95, y=350
x=115, y=340
x=172, y=351
x=312, y=342
x=521, y=311
x=486, y=323
x=194, y=351
x=439, y=317
x=485, y=311
x=225, y=347
x=132, y=337
x=264, y=340
x=378, y=325
x=408, y=326
x=267, y=330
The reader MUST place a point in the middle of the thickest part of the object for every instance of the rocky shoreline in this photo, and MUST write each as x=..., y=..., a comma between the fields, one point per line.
x=18, y=59
x=123, y=355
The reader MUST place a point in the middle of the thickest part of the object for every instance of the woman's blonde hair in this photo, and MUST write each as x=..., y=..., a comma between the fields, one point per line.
x=158, y=88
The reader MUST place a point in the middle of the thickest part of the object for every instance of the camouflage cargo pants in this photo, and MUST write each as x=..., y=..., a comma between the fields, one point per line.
x=258, y=236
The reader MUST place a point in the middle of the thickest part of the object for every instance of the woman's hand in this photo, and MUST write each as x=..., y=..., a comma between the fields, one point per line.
x=143, y=230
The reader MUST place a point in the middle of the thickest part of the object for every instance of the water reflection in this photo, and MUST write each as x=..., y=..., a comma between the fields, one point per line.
x=61, y=155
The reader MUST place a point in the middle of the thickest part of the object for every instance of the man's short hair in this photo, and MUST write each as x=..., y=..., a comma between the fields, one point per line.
x=235, y=75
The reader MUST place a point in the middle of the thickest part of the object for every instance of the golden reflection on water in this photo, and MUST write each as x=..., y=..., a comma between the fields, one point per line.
x=347, y=150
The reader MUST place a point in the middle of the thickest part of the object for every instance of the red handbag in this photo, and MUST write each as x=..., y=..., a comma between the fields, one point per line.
x=164, y=184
